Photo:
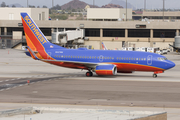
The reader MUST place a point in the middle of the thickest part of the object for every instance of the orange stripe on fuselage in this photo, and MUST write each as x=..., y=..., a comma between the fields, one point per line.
x=68, y=65
x=135, y=67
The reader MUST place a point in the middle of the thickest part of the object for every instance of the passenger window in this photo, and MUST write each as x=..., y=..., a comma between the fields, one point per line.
x=95, y=57
x=85, y=57
x=122, y=58
x=117, y=58
x=136, y=58
x=144, y=59
x=112, y=58
x=127, y=58
x=90, y=57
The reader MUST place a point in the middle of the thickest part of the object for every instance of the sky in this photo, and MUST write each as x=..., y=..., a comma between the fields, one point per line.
x=151, y=4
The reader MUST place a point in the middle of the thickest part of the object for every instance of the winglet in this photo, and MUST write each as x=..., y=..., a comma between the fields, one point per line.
x=33, y=55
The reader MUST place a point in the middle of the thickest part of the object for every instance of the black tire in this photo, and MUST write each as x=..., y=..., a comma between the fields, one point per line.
x=89, y=74
x=154, y=76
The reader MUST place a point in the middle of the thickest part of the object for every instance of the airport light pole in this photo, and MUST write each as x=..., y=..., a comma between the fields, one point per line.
x=52, y=3
x=144, y=5
x=163, y=9
x=93, y=4
x=126, y=10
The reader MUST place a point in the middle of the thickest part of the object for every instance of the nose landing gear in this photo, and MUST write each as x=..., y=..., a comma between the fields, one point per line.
x=157, y=72
x=154, y=76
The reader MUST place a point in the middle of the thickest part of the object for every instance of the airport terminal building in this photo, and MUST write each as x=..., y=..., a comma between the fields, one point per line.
x=115, y=33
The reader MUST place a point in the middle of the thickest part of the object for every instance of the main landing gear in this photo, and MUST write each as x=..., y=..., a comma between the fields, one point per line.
x=89, y=74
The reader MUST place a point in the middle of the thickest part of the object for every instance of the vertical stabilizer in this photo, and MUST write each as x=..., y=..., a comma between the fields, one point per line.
x=34, y=37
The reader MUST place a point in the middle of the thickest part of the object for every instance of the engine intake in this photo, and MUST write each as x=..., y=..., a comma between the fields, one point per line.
x=106, y=70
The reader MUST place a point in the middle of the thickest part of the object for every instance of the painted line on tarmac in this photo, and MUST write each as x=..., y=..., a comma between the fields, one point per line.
x=55, y=79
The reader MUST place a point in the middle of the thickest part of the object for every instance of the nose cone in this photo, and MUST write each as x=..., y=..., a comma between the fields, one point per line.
x=169, y=64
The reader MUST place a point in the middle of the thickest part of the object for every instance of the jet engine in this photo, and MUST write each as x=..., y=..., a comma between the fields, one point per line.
x=106, y=69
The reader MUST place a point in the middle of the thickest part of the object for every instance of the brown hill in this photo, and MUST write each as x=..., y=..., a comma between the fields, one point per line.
x=75, y=4
x=111, y=6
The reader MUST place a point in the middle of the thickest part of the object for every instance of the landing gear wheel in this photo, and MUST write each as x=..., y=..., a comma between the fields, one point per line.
x=89, y=74
x=154, y=76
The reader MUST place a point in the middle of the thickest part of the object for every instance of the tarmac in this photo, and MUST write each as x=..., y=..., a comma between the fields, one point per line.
x=56, y=86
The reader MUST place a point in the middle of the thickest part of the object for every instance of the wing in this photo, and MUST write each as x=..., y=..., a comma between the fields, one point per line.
x=174, y=47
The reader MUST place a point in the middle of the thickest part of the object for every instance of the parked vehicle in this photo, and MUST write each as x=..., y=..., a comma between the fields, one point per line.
x=124, y=48
x=159, y=52
x=150, y=50
x=131, y=49
x=144, y=49
x=164, y=51
x=138, y=49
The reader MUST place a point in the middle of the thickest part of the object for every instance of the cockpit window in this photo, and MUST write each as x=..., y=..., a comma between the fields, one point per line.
x=162, y=59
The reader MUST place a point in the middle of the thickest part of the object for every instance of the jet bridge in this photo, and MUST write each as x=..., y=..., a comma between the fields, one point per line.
x=76, y=36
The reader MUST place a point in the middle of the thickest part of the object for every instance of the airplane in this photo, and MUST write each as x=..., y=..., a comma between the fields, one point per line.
x=176, y=48
x=102, y=62
x=104, y=47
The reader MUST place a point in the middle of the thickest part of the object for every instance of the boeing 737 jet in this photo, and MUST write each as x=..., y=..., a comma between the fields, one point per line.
x=102, y=62
x=103, y=46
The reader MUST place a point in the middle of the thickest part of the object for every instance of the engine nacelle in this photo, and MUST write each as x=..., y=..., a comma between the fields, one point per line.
x=106, y=70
